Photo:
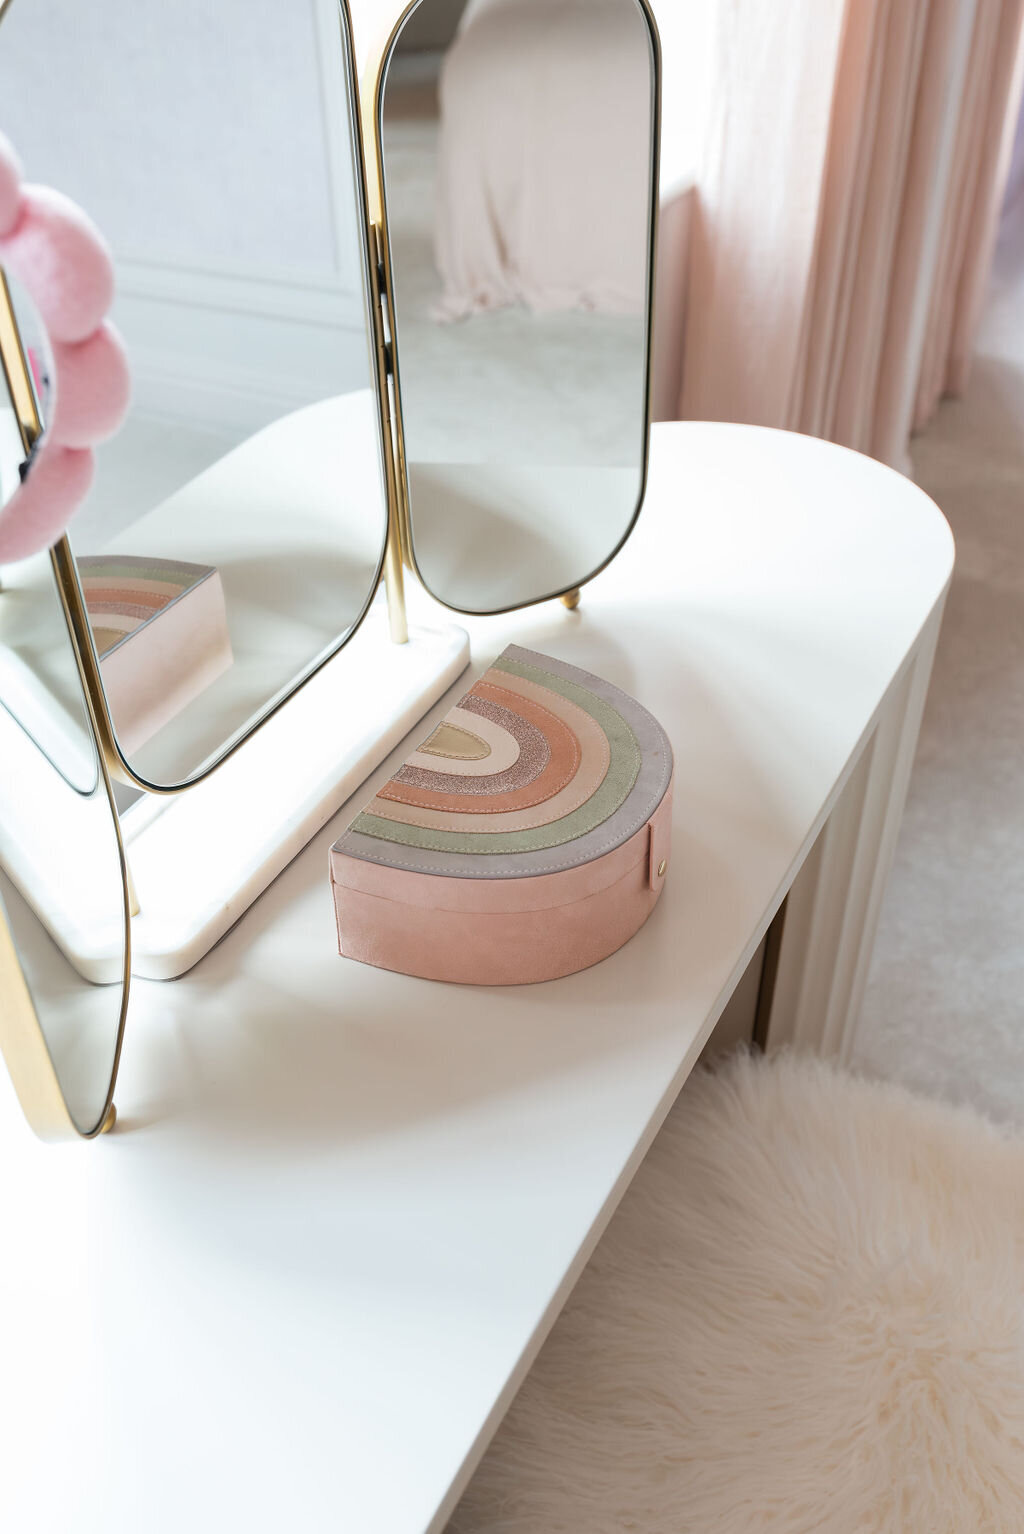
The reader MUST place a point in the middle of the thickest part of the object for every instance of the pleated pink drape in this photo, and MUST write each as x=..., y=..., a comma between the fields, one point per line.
x=845, y=213
x=986, y=144
x=759, y=190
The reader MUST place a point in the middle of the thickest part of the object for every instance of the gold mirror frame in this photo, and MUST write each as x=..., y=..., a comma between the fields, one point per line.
x=389, y=568
x=22, y=1039
x=387, y=349
x=365, y=116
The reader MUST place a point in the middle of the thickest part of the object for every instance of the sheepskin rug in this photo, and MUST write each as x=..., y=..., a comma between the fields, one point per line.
x=807, y=1314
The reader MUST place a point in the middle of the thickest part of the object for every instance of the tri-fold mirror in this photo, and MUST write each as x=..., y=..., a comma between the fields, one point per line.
x=432, y=356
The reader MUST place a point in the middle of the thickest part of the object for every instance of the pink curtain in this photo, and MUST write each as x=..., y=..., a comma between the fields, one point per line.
x=846, y=206
x=758, y=194
x=994, y=89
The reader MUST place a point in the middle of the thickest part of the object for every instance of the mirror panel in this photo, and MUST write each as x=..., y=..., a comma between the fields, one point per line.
x=63, y=904
x=39, y=680
x=519, y=150
x=235, y=532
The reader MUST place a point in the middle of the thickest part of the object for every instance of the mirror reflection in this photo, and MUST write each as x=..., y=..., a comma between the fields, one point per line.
x=39, y=682
x=235, y=530
x=518, y=141
x=61, y=882
x=24, y=333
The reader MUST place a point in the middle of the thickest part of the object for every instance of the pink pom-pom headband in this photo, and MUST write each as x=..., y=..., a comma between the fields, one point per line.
x=61, y=260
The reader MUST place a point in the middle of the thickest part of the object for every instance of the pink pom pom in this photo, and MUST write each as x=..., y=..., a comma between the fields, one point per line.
x=63, y=261
x=10, y=187
x=37, y=514
x=93, y=388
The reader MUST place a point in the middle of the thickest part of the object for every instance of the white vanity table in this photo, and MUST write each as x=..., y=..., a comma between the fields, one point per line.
x=299, y=1285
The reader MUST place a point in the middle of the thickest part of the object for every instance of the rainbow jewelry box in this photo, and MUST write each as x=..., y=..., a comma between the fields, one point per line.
x=161, y=634
x=527, y=838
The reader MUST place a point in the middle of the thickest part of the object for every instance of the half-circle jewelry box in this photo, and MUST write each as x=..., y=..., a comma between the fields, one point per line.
x=527, y=838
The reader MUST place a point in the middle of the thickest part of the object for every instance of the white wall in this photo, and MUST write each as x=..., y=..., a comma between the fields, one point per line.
x=687, y=101
x=210, y=143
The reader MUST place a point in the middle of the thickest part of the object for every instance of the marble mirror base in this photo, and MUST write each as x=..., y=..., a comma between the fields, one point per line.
x=199, y=859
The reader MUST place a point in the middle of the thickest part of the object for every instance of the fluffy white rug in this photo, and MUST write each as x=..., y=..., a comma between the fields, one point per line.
x=949, y=963
x=807, y=1315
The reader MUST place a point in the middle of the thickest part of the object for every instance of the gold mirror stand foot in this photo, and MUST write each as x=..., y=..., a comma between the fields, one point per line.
x=109, y=1121
x=571, y=600
x=394, y=583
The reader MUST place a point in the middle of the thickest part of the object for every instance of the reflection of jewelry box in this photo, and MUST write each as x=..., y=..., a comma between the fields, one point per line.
x=526, y=839
x=161, y=633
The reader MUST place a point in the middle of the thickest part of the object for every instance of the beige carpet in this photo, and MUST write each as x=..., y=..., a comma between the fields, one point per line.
x=804, y=1317
x=944, y=1009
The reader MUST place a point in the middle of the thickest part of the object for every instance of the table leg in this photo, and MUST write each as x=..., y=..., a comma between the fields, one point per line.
x=831, y=916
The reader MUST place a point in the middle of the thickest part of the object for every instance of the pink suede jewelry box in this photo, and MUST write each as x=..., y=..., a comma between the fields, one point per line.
x=161, y=633
x=527, y=838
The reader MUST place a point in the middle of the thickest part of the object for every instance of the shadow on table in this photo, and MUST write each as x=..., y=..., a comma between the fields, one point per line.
x=275, y=1065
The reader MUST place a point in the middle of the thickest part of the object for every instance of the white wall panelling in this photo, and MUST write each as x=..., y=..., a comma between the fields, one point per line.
x=235, y=350
x=213, y=147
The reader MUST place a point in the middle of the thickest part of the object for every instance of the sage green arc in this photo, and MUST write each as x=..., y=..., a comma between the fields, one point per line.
x=617, y=783
x=143, y=567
